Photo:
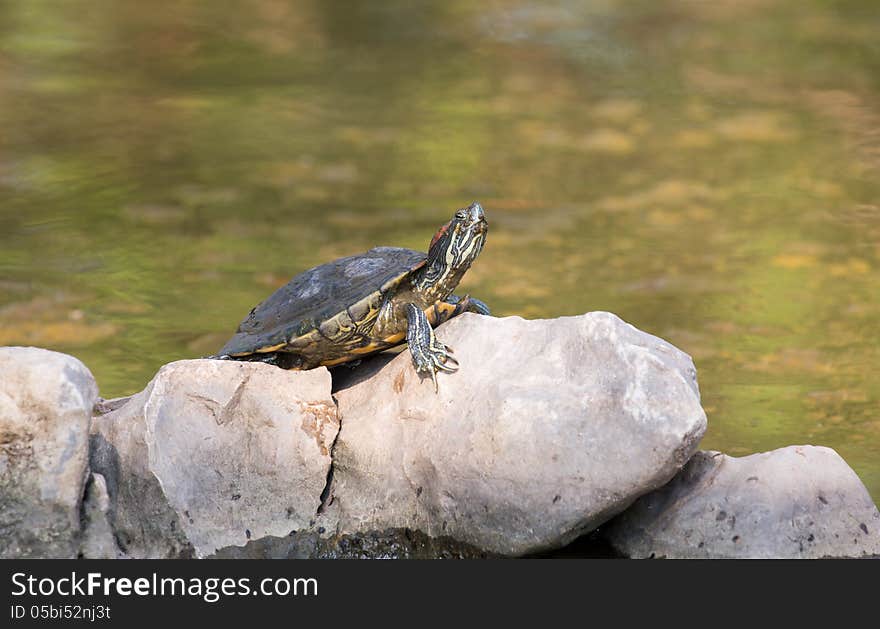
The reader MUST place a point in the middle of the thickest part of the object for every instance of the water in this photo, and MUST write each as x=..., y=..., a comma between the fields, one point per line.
x=706, y=170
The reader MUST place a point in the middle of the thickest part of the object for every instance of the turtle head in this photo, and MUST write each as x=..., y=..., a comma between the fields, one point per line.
x=452, y=251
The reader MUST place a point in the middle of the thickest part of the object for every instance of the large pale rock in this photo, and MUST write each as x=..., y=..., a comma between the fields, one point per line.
x=549, y=428
x=795, y=502
x=46, y=400
x=213, y=453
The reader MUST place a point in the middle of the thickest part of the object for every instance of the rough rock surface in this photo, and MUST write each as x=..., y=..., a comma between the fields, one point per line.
x=98, y=539
x=213, y=453
x=46, y=400
x=391, y=544
x=145, y=524
x=549, y=428
x=795, y=502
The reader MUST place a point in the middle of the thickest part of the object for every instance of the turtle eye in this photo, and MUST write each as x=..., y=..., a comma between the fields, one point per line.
x=461, y=215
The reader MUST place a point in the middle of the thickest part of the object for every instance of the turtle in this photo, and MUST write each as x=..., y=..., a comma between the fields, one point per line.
x=344, y=310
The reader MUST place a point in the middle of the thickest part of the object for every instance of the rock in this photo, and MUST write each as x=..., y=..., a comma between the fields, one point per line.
x=390, y=544
x=213, y=453
x=102, y=406
x=145, y=524
x=795, y=502
x=98, y=539
x=46, y=400
x=549, y=428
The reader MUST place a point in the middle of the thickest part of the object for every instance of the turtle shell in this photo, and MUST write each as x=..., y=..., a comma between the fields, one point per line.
x=319, y=295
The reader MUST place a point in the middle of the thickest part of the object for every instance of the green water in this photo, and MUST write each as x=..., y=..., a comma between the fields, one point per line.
x=706, y=170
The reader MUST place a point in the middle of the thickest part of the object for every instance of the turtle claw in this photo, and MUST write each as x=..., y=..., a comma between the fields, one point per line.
x=441, y=356
x=430, y=364
x=446, y=368
x=445, y=362
x=435, y=359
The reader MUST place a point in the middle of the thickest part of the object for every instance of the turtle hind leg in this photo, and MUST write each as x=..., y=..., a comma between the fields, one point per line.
x=428, y=354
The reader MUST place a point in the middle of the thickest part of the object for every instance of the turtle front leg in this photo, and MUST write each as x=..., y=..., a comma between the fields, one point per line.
x=470, y=304
x=428, y=354
x=452, y=306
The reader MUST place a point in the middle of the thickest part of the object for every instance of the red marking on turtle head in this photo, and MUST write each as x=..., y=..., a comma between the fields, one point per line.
x=439, y=234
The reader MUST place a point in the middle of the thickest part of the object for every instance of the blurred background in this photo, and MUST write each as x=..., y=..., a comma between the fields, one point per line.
x=708, y=170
